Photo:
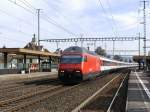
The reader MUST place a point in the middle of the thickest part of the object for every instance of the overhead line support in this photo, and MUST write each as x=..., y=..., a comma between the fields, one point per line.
x=38, y=11
x=92, y=39
x=144, y=31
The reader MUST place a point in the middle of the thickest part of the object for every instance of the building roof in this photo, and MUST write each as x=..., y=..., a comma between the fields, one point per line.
x=23, y=51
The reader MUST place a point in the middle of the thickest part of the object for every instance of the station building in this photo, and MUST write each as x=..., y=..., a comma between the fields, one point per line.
x=31, y=58
x=140, y=60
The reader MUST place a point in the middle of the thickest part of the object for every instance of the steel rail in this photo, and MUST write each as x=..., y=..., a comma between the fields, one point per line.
x=29, y=103
x=79, y=107
x=112, y=102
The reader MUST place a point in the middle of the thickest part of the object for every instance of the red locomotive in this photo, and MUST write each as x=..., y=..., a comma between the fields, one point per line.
x=77, y=64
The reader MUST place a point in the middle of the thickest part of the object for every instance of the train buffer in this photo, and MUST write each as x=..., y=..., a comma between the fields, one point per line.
x=138, y=98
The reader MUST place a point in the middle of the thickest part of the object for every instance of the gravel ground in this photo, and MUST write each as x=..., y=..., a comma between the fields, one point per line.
x=12, y=77
x=68, y=100
x=26, y=77
x=103, y=100
x=27, y=87
x=17, y=83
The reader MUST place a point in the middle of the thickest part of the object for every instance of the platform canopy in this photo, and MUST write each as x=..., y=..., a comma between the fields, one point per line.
x=138, y=58
x=23, y=51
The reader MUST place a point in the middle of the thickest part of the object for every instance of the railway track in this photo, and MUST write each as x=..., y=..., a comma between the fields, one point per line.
x=68, y=100
x=105, y=98
x=78, y=108
x=27, y=87
x=21, y=102
x=25, y=84
x=62, y=98
x=123, y=83
x=23, y=91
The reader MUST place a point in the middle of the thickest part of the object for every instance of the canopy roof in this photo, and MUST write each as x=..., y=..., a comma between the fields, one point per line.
x=27, y=52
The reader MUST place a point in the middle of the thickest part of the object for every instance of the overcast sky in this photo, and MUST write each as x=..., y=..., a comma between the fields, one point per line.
x=70, y=18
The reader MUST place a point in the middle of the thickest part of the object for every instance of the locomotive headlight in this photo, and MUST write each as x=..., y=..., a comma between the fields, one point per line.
x=62, y=71
x=78, y=71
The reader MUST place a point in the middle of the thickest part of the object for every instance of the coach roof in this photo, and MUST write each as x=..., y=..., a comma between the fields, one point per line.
x=78, y=50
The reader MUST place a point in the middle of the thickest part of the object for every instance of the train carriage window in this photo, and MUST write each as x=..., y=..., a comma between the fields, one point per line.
x=106, y=63
x=109, y=63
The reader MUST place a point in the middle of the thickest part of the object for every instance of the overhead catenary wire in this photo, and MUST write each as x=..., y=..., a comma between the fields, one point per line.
x=25, y=21
x=48, y=20
x=12, y=29
x=112, y=16
x=64, y=16
x=28, y=4
x=129, y=26
x=51, y=21
x=17, y=18
x=14, y=2
x=105, y=12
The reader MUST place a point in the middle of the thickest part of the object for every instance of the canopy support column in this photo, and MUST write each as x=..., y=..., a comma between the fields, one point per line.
x=5, y=60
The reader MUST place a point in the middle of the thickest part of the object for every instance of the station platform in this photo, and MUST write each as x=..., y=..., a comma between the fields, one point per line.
x=138, y=97
x=26, y=76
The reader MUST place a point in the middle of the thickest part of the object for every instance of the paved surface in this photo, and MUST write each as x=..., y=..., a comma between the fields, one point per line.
x=24, y=76
x=138, y=99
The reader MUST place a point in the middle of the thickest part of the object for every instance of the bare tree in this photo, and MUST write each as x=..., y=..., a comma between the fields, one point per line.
x=100, y=51
x=117, y=57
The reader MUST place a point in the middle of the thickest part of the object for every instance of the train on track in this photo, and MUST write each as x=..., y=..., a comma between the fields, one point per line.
x=78, y=64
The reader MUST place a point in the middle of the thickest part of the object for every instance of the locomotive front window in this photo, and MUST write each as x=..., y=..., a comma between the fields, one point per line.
x=71, y=59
